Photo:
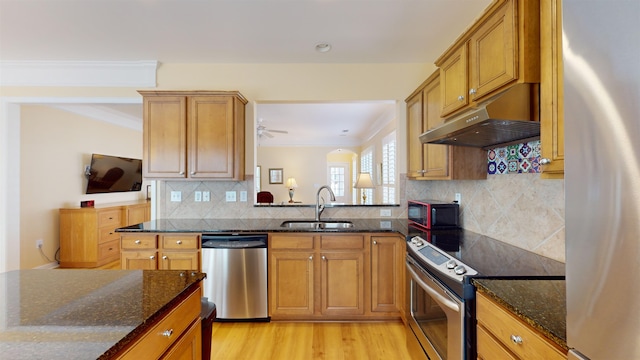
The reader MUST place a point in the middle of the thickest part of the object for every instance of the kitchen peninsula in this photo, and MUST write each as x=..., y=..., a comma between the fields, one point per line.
x=98, y=314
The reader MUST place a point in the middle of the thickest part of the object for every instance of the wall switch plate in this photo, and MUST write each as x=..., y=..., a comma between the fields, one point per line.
x=243, y=196
x=198, y=196
x=385, y=212
x=39, y=243
x=230, y=196
x=206, y=196
x=176, y=196
x=458, y=199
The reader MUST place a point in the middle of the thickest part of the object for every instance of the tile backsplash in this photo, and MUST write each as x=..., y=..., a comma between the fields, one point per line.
x=514, y=159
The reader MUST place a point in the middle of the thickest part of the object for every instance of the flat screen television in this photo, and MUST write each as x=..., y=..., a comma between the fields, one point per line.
x=114, y=174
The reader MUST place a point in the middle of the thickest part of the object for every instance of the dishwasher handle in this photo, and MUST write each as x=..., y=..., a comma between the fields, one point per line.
x=234, y=241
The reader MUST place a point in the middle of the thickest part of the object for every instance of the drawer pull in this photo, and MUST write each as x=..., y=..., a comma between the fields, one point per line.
x=151, y=257
x=311, y=257
x=324, y=258
x=179, y=242
x=138, y=242
x=375, y=242
x=110, y=249
x=516, y=339
x=164, y=257
x=167, y=333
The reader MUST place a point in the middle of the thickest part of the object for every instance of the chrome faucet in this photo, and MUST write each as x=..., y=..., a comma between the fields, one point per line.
x=320, y=208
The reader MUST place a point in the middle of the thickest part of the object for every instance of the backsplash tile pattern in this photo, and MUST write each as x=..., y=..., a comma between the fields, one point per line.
x=519, y=158
x=518, y=208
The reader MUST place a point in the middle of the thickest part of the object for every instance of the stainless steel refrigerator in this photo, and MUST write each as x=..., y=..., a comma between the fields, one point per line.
x=601, y=55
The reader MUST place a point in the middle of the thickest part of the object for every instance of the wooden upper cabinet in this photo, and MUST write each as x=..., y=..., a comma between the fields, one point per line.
x=500, y=49
x=551, y=90
x=436, y=161
x=454, y=81
x=194, y=134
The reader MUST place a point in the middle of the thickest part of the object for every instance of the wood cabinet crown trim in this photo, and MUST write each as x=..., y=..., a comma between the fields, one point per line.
x=236, y=94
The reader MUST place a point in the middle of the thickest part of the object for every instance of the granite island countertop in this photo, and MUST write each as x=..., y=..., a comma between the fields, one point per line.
x=540, y=303
x=261, y=225
x=84, y=314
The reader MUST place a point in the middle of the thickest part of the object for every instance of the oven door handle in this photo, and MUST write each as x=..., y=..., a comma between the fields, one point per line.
x=437, y=296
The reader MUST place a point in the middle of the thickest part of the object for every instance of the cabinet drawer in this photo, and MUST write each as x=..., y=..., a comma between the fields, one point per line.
x=110, y=218
x=138, y=242
x=342, y=242
x=180, y=242
x=503, y=325
x=161, y=336
x=489, y=348
x=109, y=249
x=291, y=242
x=107, y=234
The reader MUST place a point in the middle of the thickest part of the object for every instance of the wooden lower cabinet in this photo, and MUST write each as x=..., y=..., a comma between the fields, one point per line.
x=163, y=251
x=314, y=276
x=501, y=335
x=175, y=336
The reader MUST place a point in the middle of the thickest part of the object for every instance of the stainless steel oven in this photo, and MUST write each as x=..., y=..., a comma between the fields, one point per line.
x=436, y=312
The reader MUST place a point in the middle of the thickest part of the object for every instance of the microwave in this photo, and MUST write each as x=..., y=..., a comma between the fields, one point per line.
x=431, y=214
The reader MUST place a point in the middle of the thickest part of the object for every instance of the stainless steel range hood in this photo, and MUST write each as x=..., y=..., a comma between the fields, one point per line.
x=509, y=117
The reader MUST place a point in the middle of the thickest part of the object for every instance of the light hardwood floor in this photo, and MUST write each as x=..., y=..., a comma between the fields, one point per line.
x=306, y=341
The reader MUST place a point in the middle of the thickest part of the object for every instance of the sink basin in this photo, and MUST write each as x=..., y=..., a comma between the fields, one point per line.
x=312, y=224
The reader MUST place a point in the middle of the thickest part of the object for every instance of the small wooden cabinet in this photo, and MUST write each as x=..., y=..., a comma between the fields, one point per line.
x=315, y=276
x=500, y=49
x=175, y=336
x=87, y=235
x=193, y=134
x=501, y=335
x=164, y=251
x=436, y=161
x=551, y=91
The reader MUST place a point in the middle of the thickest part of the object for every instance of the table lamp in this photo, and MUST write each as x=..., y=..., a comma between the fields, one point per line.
x=291, y=185
x=364, y=182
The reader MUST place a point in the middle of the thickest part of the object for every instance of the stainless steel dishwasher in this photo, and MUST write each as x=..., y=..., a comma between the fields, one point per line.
x=236, y=268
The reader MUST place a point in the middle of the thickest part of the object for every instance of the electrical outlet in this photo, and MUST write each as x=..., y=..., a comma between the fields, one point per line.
x=231, y=196
x=176, y=196
x=198, y=196
x=243, y=196
x=39, y=243
x=385, y=212
x=458, y=199
x=206, y=196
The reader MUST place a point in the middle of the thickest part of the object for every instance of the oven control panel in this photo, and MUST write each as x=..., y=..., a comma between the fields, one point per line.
x=439, y=260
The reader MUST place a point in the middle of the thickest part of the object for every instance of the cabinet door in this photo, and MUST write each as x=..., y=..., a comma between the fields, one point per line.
x=386, y=279
x=415, y=148
x=180, y=260
x=493, y=50
x=211, y=137
x=139, y=260
x=551, y=90
x=436, y=156
x=291, y=282
x=137, y=214
x=453, y=81
x=342, y=283
x=165, y=136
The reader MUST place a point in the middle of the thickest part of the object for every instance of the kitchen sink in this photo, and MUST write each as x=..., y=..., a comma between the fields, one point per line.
x=312, y=224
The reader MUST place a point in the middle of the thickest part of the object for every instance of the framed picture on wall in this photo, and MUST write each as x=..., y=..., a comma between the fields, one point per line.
x=275, y=176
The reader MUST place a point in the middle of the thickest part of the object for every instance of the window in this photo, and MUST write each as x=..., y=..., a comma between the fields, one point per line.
x=366, y=166
x=389, y=169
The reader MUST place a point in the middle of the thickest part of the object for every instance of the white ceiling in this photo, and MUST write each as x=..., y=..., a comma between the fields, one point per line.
x=235, y=31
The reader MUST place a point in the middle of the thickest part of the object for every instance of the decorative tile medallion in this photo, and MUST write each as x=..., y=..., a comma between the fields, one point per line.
x=514, y=159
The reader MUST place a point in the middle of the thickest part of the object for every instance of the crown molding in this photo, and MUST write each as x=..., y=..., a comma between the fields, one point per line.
x=79, y=73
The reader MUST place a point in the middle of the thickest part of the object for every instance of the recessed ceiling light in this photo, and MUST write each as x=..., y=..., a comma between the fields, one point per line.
x=323, y=47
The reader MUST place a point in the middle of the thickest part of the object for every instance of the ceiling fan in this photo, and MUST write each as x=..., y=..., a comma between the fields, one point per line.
x=264, y=131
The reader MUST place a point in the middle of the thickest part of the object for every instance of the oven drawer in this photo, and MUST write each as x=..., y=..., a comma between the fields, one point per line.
x=510, y=334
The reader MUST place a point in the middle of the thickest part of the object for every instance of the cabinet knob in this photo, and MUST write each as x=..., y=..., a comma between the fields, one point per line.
x=375, y=242
x=138, y=242
x=192, y=173
x=152, y=257
x=164, y=257
x=167, y=333
x=179, y=242
x=516, y=339
x=461, y=98
x=324, y=257
x=181, y=173
x=110, y=249
x=545, y=161
x=311, y=257
x=472, y=91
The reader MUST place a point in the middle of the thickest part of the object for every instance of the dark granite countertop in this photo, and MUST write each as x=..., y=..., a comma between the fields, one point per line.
x=84, y=314
x=261, y=225
x=539, y=302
